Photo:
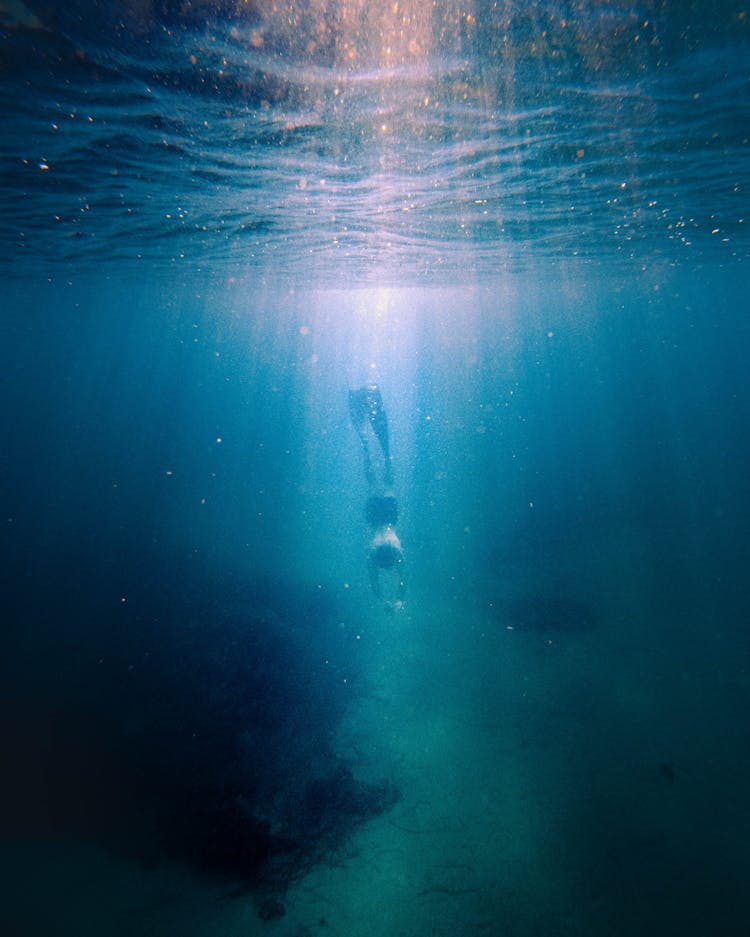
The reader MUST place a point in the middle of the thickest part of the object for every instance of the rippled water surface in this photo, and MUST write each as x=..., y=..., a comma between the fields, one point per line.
x=406, y=145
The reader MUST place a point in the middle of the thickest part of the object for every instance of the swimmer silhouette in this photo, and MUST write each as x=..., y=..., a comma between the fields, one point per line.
x=385, y=554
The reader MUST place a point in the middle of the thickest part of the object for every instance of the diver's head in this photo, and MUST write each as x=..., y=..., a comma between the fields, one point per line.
x=385, y=556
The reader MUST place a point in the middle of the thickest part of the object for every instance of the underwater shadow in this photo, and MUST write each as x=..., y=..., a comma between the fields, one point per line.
x=195, y=724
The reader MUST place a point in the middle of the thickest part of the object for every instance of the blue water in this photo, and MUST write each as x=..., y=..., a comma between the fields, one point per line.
x=528, y=225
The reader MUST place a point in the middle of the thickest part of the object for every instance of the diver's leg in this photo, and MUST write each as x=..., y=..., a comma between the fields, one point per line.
x=379, y=423
x=358, y=407
x=369, y=473
x=358, y=411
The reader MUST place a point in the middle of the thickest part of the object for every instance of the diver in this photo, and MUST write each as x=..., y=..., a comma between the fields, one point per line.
x=385, y=554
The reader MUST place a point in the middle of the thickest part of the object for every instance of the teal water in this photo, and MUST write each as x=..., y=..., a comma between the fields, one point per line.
x=528, y=225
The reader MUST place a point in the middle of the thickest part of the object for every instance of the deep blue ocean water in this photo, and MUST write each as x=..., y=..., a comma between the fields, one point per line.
x=528, y=224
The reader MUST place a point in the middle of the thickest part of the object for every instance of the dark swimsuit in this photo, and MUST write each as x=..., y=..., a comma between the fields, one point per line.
x=381, y=510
